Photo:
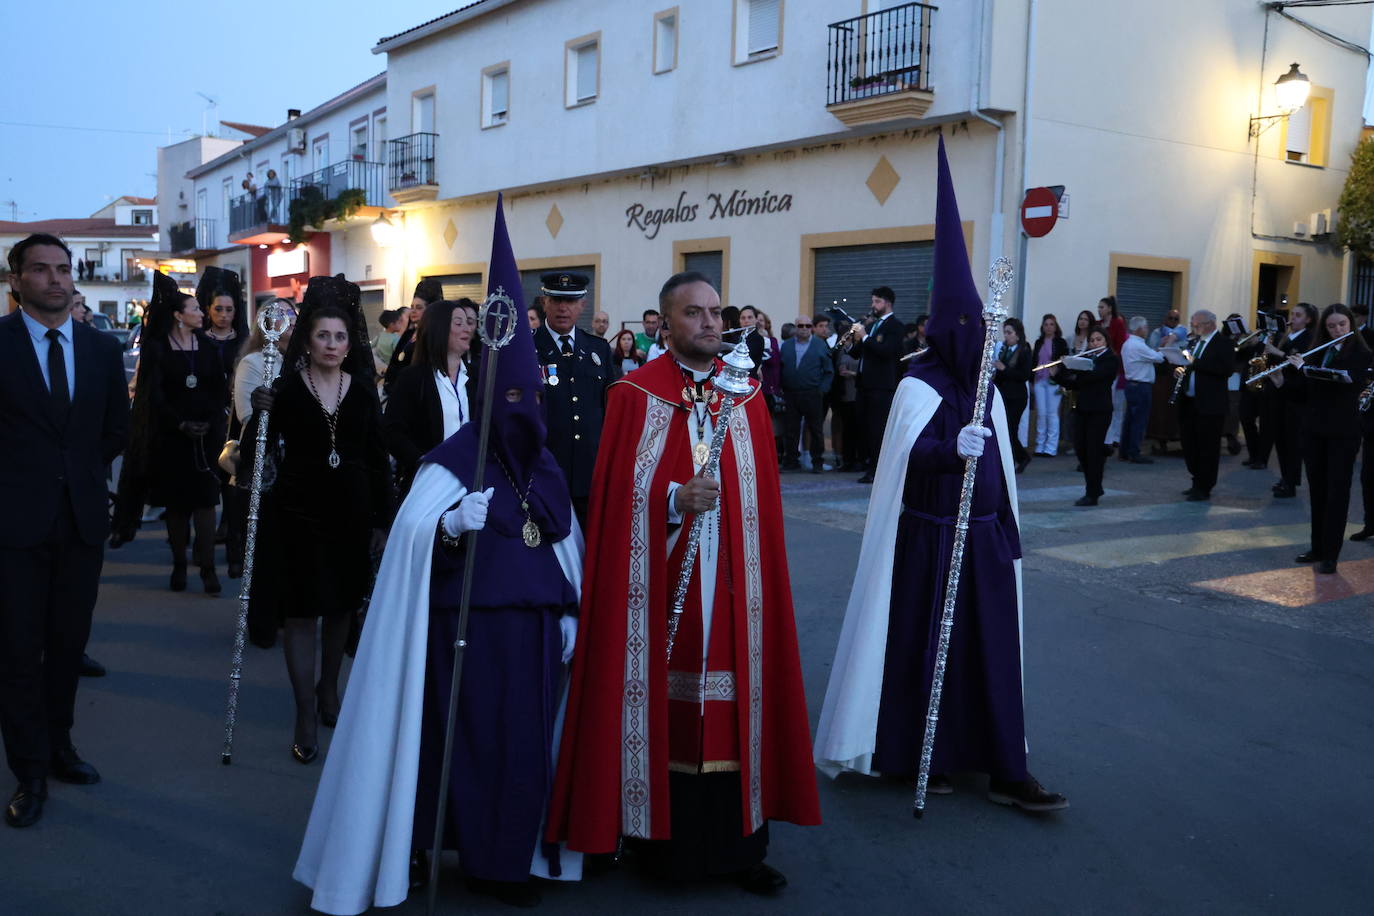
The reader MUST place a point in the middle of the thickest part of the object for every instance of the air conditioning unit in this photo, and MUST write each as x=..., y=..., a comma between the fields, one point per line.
x=1300, y=230
x=1321, y=222
x=295, y=140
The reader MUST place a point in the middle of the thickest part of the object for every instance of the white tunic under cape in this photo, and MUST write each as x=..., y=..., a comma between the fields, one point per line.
x=848, y=728
x=357, y=847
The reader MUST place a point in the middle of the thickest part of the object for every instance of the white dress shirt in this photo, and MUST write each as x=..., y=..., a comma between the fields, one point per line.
x=38, y=335
x=705, y=578
x=1197, y=352
x=1138, y=360
x=453, y=399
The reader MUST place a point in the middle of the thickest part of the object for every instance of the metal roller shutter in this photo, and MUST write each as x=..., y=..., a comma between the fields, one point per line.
x=709, y=263
x=850, y=273
x=457, y=286
x=1144, y=292
x=530, y=283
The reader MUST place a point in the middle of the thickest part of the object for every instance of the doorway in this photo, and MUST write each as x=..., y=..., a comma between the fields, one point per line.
x=1272, y=292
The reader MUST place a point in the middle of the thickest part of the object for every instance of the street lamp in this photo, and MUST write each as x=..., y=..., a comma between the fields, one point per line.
x=384, y=231
x=1291, y=90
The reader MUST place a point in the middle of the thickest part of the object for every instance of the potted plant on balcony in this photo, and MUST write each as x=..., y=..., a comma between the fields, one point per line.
x=311, y=208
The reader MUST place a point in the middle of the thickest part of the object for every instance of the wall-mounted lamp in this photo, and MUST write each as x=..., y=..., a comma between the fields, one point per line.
x=385, y=232
x=1291, y=91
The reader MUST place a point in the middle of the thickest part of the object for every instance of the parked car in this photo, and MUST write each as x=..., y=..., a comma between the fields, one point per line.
x=101, y=322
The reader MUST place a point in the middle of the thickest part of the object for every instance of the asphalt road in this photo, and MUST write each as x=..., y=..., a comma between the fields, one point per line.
x=1213, y=732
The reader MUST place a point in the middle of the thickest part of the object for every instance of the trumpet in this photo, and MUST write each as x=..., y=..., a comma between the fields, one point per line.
x=1095, y=351
x=1261, y=376
x=1367, y=398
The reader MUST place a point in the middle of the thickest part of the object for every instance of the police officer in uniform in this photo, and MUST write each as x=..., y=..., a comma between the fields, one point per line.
x=577, y=370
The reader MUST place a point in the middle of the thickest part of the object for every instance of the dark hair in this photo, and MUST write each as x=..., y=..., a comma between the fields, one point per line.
x=300, y=337
x=665, y=295
x=615, y=348
x=648, y=312
x=159, y=325
x=1111, y=303
x=1092, y=322
x=1336, y=308
x=17, y=253
x=921, y=320
x=1098, y=329
x=386, y=317
x=729, y=317
x=1016, y=325
x=1308, y=309
x=752, y=309
x=885, y=292
x=430, y=290
x=822, y=316
x=1058, y=331
x=431, y=337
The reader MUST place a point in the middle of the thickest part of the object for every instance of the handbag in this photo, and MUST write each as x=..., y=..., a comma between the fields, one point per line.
x=229, y=457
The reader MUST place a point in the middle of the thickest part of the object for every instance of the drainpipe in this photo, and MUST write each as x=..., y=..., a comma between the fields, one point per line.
x=996, y=224
x=1023, y=258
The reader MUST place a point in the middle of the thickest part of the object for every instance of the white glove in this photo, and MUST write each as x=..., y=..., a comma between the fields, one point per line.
x=470, y=514
x=568, y=625
x=970, y=441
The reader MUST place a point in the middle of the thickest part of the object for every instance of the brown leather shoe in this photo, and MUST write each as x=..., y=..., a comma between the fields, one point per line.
x=1028, y=795
x=26, y=807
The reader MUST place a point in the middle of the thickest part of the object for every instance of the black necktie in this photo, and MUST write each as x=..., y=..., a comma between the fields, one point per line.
x=57, y=373
x=1005, y=353
x=566, y=348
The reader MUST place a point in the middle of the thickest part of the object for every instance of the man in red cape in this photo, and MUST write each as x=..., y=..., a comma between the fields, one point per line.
x=696, y=755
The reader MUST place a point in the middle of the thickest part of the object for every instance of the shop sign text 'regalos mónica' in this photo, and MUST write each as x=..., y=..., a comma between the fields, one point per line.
x=739, y=202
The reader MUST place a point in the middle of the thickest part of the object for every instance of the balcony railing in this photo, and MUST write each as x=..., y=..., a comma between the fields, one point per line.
x=879, y=54
x=344, y=176
x=254, y=209
x=192, y=235
x=411, y=163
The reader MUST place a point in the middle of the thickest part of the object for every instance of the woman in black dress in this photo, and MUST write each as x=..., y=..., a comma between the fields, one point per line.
x=1092, y=412
x=1013, y=382
x=430, y=399
x=329, y=505
x=220, y=295
x=176, y=431
x=1331, y=430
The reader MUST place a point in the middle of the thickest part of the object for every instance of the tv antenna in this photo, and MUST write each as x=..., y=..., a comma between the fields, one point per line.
x=204, y=115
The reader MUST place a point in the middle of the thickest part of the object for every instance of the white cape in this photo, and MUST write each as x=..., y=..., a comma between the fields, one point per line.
x=357, y=846
x=848, y=728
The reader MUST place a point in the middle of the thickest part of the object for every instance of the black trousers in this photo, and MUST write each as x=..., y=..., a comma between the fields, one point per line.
x=1287, y=440
x=1330, y=462
x=707, y=831
x=874, y=406
x=807, y=406
x=852, y=446
x=47, y=596
x=1254, y=421
x=1015, y=408
x=1367, y=468
x=1201, y=435
x=1089, y=431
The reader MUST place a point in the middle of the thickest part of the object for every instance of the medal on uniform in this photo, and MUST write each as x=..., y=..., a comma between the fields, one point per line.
x=333, y=458
x=192, y=381
x=551, y=374
x=529, y=531
x=596, y=359
x=700, y=452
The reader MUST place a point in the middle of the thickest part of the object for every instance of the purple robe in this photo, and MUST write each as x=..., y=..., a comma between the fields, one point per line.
x=981, y=725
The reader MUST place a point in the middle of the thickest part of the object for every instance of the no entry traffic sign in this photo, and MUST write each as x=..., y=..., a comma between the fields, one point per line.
x=1039, y=212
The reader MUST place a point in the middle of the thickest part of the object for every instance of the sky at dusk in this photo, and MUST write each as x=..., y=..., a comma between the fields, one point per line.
x=127, y=73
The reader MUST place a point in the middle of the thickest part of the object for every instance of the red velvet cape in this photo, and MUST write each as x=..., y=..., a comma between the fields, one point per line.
x=613, y=766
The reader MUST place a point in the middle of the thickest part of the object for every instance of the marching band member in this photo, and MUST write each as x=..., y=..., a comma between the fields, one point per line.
x=1291, y=402
x=1203, y=403
x=1092, y=413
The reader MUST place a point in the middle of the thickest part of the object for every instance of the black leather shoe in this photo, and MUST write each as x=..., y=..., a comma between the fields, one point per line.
x=867, y=478
x=304, y=755
x=1285, y=492
x=1198, y=496
x=1086, y=501
x=210, y=580
x=67, y=766
x=1307, y=557
x=419, y=869
x=235, y=570
x=1028, y=795
x=790, y=466
x=178, y=580
x=512, y=893
x=1232, y=446
x=939, y=785
x=90, y=667
x=328, y=717
x=761, y=879
x=1363, y=534
x=26, y=806
x=1022, y=465
x=1327, y=567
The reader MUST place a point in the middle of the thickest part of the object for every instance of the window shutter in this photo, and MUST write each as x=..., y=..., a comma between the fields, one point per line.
x=763, y=25
x=586, y=72
x=1300, y=131
x=500, y=93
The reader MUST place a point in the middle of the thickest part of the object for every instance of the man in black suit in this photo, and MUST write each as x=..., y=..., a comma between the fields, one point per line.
x=577, y=370
x=1203, y=403
x=807, y=373
x=878, y=346
x=64, y=416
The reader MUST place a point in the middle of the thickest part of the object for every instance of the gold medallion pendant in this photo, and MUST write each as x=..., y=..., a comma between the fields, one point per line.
x=530, y=531
x=700, y=452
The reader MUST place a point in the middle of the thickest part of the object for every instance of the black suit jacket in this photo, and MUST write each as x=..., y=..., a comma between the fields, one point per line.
x=1094, y=387
x=414, y=420
x=1211, y=370
x=575, y=407
x=44, y=456
x=1012, y=380
x=1331, y=410
x=880, y=353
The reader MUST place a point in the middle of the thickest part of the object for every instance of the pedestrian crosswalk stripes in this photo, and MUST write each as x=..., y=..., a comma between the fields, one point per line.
x=1183, y=512
x=1299, y=586
x=1160, y=548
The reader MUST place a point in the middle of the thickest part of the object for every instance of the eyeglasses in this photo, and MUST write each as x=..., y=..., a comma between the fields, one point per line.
x=801, y=325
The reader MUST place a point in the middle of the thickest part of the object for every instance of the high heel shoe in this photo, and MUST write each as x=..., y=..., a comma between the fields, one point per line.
x=327, y=718
x=210, y=580
x=178, y=580
x=304, y=755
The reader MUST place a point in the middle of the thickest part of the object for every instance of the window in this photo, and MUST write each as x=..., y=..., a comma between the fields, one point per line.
x=665, y=41
x=320, y=154
x=758, y=30
x=582, y=74
x=379, y=136
x=143, y=217
x=422, y=112
x=93, y=257
x=357, y=141
x=227, y=189
x=496, y=95
x=288, y=169
x=1307, y=134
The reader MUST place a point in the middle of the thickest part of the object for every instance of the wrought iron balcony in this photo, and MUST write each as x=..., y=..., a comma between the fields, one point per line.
x=410, y=168
x=878, y=66
x=192, y=235
x=344, y=176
